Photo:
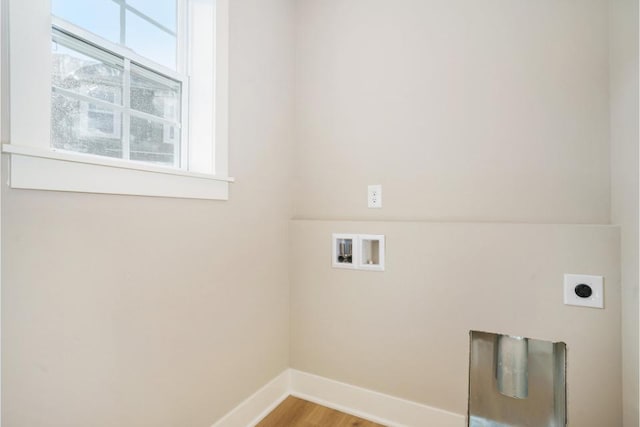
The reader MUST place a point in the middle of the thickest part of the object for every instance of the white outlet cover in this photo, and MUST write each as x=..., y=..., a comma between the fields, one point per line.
x=596, y=283
x=374, y=196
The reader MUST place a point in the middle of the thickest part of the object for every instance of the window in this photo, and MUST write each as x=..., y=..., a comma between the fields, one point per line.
x=108, y=105
x=136, y=96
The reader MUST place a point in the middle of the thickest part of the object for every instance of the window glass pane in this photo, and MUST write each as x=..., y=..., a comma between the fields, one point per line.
x=101, y=17
x=86, y=70
x=154, y=94
x=154, y=142
x=91, y=111
x=150, y=41
x=83, y=127
x=161, y=11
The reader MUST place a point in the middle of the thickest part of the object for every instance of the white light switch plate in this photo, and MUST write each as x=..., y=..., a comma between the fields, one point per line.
x=596, y=283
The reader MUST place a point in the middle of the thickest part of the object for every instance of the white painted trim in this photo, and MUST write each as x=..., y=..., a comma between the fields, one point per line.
x=29, y=73
x=253, y=409
x=221, y=90
x=371, y=405
x=4, y=135
x=105, y=161
x=368, y=404
x=202, y=98
x=57, y=174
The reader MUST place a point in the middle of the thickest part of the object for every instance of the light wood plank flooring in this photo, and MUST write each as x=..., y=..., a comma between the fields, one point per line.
x=294, y=412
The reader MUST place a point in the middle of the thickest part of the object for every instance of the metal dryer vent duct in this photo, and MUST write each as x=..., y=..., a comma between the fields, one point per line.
x=512, y=366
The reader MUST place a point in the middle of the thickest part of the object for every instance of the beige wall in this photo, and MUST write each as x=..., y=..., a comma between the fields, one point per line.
x=405, y=332
x=624, y=171
x=132, y=311
x=464, y=110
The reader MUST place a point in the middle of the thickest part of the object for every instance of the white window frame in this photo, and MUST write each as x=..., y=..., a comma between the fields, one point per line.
x=35, y=165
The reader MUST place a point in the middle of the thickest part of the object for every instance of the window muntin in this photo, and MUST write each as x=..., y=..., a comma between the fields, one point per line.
x=107, y=105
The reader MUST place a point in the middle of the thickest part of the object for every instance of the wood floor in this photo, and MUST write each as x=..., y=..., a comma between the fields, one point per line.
x=294, y=412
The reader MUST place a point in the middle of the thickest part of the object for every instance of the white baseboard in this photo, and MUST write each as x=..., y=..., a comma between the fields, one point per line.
x=377, y=407
x=371, y=405
x=260, y=404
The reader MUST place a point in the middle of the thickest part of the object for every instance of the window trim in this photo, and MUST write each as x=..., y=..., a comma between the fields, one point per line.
x=37, y=169
x=91, y=159
x=34, y=165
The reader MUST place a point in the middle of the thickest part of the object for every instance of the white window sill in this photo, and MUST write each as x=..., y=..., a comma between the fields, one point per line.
x=40, y=169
